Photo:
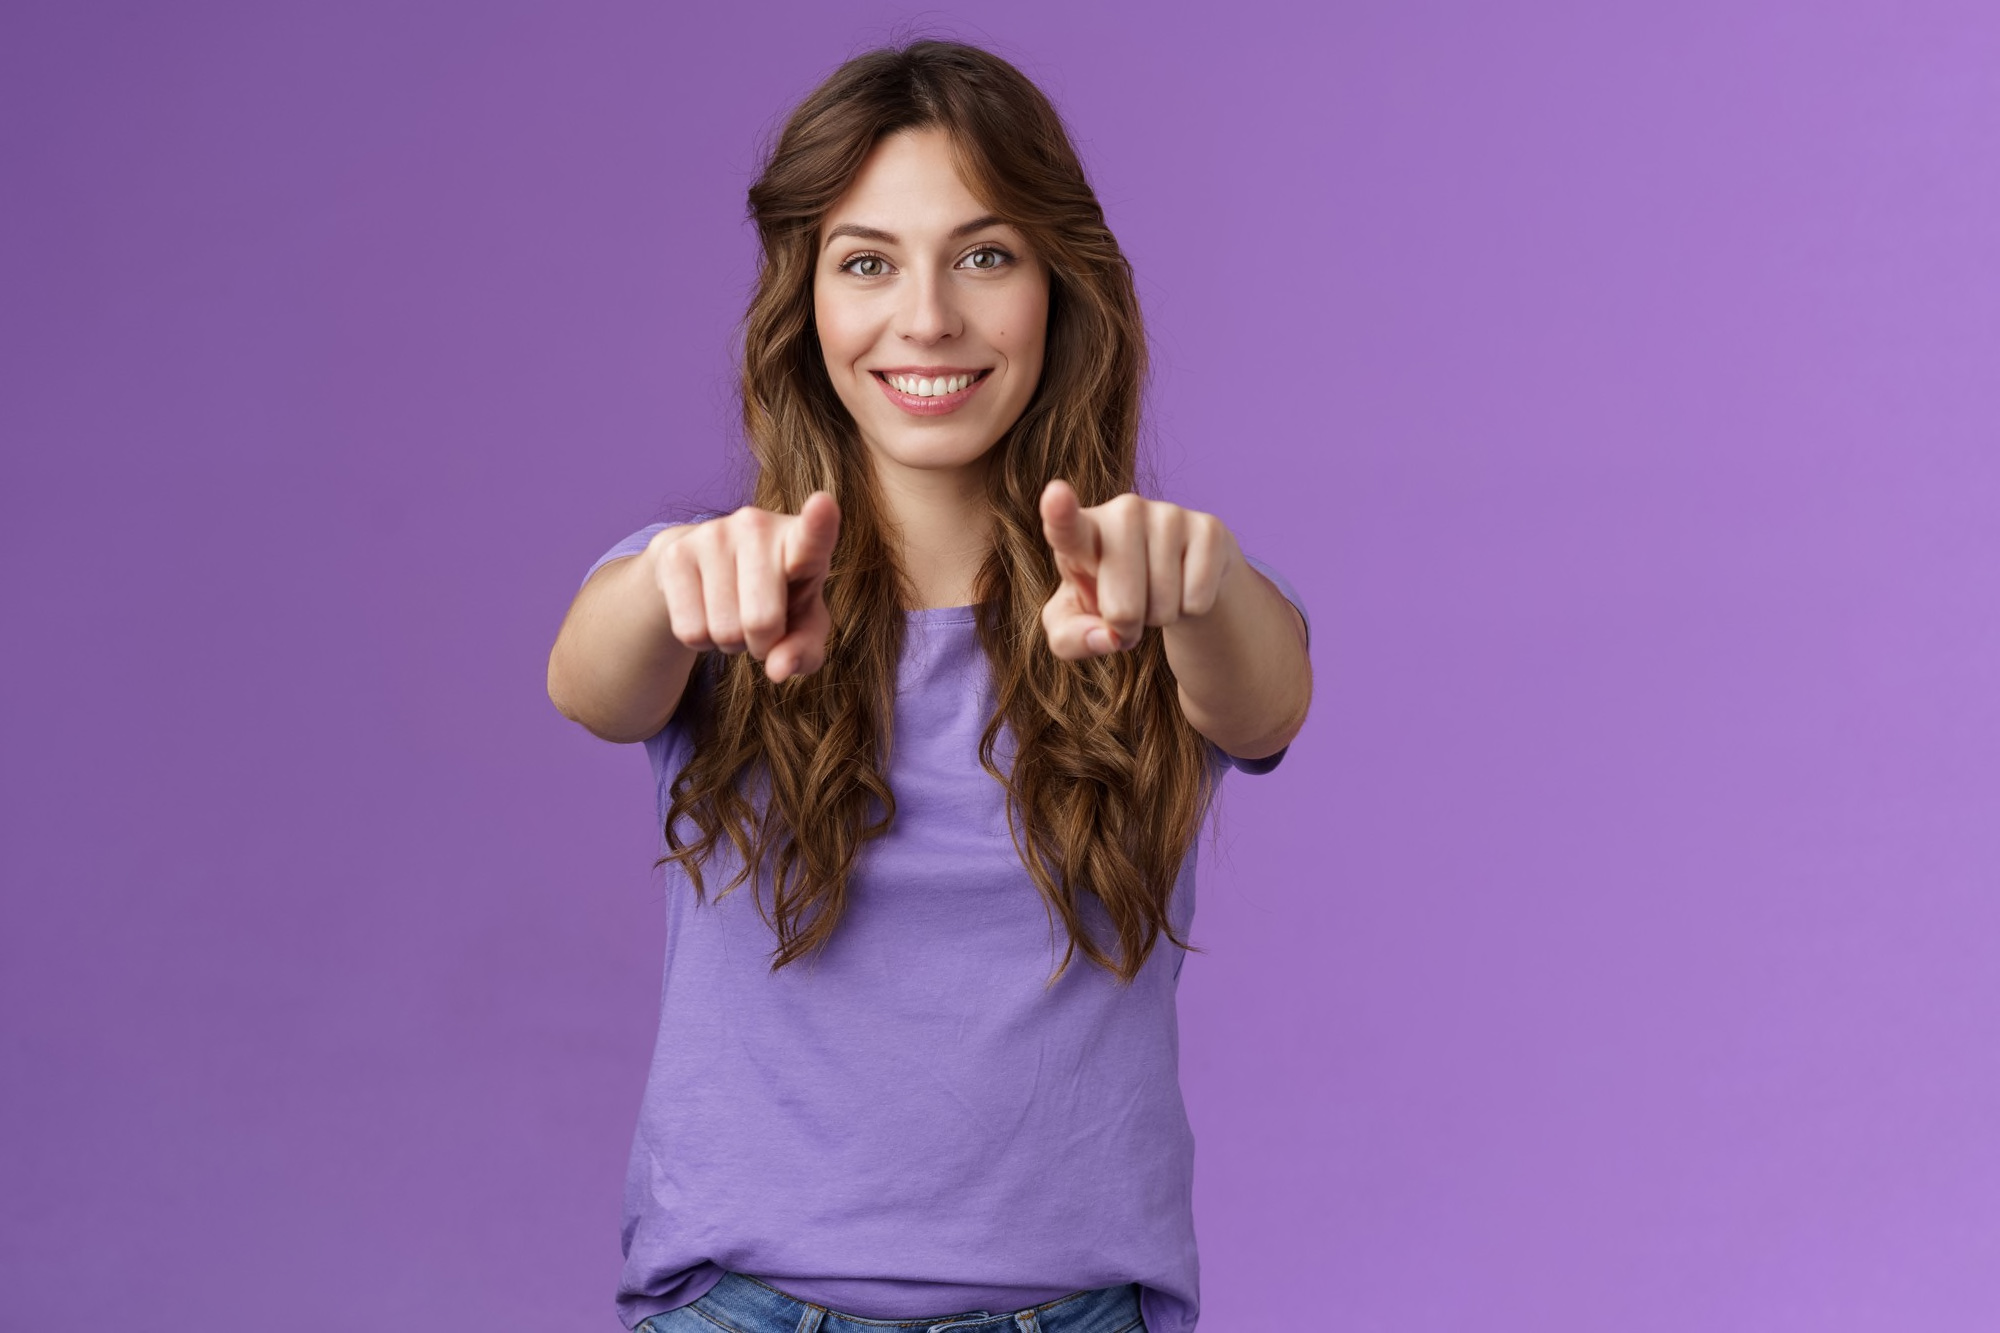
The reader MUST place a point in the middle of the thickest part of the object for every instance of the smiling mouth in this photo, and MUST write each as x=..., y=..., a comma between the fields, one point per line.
x=930, y=395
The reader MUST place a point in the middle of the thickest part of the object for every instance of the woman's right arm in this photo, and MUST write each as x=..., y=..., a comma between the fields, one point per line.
x=750, y=580
x=617, y=667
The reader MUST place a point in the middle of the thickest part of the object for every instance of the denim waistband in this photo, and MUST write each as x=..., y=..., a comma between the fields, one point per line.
x=758, y=1306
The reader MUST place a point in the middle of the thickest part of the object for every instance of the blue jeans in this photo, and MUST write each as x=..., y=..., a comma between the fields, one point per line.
x=739, y=1304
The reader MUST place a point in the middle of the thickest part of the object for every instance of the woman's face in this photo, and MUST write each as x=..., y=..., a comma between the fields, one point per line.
x=931, y=312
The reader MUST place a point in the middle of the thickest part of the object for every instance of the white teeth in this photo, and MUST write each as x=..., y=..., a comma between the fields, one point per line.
x=924, y=386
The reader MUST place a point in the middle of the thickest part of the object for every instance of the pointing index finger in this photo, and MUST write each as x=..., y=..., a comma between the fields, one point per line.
x=809, y=545
x=1070, y=534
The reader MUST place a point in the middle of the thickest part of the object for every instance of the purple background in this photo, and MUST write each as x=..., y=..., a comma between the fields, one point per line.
x=1617, y=947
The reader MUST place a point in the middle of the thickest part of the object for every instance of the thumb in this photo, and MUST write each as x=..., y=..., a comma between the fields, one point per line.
x=809, y=544
x=1070, y=534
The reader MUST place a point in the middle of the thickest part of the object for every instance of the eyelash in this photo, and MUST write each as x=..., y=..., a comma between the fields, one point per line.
x=1006, y=258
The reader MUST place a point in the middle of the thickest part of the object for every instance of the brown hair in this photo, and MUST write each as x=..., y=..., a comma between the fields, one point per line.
x=1109, y=782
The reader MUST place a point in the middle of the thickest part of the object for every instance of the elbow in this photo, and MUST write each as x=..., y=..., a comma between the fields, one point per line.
x=635, y=720
x=1260, y=743
x=1261, y=740
x=564, y=699
x=558, y=694
x=617, y=731
x=1263, y=747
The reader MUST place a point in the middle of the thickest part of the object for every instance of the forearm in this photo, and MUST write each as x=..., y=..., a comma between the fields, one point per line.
x=1245, y=680
x=616, y=667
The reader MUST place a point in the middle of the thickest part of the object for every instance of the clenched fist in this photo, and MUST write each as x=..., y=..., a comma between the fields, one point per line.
x=752, y=581
x=1126, y=564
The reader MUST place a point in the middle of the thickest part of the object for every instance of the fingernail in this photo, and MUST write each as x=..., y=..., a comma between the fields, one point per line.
x=1099, y=641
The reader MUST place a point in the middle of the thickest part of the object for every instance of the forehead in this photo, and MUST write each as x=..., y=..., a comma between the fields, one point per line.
x=908, y=185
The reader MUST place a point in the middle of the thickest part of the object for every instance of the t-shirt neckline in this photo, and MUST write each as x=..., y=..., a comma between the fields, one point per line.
x=943, y=615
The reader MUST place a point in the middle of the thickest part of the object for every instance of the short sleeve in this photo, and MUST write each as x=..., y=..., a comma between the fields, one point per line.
x=1270, y=761
x=659, y=744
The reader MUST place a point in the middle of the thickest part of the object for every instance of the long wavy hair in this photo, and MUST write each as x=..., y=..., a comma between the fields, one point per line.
x=1108, y=783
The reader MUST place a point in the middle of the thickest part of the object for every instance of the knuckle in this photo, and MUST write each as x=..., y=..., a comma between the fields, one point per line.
x=706, y=542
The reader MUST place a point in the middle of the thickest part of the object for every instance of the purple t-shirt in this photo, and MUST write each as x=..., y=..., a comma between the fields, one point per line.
x=910, y=1124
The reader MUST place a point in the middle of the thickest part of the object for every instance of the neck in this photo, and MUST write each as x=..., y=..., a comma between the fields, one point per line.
x=942, y=526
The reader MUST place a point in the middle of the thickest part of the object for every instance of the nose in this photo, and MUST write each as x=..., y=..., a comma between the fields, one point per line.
x=928, y=313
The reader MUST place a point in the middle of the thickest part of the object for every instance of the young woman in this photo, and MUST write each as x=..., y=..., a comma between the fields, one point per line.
x=949, y=702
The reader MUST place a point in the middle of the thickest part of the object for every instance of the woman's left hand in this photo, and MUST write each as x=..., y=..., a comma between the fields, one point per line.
x=1125, y=564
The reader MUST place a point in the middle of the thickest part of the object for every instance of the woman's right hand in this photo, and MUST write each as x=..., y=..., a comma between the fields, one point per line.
x=751, y=581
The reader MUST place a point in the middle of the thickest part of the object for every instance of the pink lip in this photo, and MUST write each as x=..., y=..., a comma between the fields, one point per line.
x=928, y=407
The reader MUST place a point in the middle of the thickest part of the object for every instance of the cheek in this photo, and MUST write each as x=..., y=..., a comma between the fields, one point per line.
x=841, y=335
x=1023, y=328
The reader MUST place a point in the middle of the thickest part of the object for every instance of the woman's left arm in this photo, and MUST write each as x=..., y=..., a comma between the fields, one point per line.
x=1236, y=645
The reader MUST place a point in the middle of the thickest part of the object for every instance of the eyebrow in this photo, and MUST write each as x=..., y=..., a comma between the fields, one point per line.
x=855, y=229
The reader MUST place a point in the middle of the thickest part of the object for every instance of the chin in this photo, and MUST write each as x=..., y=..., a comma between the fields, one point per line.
x=933, y=450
